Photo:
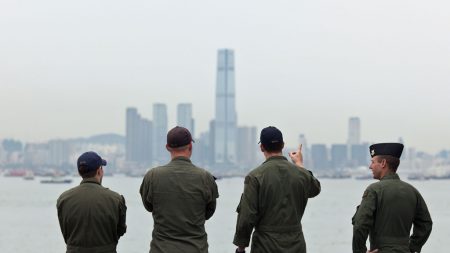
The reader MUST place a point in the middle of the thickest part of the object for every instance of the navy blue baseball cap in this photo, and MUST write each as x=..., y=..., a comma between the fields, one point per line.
x=270, y=135
x=90, y=160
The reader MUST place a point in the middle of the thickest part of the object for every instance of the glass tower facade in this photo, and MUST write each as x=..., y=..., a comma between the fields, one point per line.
x=225, y=124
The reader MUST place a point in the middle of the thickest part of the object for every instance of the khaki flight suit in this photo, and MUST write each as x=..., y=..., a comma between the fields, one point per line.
x=91, y=218
x=181, y=198
x=274, y=200
x=386, y=214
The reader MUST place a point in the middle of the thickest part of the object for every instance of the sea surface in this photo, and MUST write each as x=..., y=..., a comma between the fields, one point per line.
x=29, y=221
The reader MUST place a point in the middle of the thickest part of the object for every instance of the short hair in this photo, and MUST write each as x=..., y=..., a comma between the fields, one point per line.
x=85, y=172
x=273, y=147
x=182, y=148
x=392, y=162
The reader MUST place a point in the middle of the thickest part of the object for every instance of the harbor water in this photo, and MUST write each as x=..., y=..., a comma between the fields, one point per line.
x=29, y=220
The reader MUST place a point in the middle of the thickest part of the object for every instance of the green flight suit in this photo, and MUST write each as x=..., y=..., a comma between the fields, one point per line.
x=181, y=197
x=274, y=200
x=386, y=214
x=91, y=217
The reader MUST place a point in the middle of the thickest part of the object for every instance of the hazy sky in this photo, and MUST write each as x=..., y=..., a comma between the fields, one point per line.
x=70, y=68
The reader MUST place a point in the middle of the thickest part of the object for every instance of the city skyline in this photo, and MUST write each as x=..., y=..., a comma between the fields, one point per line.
x=69, y=69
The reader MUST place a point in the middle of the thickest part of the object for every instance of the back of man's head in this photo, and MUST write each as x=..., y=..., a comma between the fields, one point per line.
x=88, y=164
x=178, y=139
x=271, y=139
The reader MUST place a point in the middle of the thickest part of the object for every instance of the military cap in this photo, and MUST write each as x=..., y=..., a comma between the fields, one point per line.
x=392, y=149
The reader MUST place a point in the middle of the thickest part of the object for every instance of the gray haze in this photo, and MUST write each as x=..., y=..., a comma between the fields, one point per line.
x=70, y=68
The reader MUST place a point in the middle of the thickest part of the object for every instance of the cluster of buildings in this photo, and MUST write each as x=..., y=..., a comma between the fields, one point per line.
x=225, y=148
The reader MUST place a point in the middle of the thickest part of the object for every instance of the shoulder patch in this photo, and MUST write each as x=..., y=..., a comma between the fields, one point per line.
x=247, y=180
x=365, y=194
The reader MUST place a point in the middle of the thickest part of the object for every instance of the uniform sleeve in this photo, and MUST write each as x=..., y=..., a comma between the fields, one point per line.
x=247, y=212
x=60, y=219
x=422, y=226
x=146, y=191
x=213, y=194
x=314, y=186
x=122, y=226
x=363, y=219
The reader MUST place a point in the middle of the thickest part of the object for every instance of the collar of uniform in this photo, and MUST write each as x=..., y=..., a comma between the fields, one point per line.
x=391, y=176
x=90, y=180
x=276, y=157
x=181, y=158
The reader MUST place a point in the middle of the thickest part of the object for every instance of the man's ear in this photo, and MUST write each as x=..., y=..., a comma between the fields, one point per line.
x=99, y=171
x=383, y=163
x=262, y=148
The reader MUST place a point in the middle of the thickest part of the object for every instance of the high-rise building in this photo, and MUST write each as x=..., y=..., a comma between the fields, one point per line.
x=319, y=156
x=160, y=154
x=138, y=139
x=225, y=124
x=59, y=152
x=354, y=131
x=338, y=156
x=305, y=150
x=360, y=154
x=184, y=117
x=132, y=135
x=247, y=147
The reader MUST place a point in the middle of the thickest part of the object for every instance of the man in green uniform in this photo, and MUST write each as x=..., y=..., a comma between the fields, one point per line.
x=181, y=198
x=91, y=217
x=274, y=200
x=389, y=208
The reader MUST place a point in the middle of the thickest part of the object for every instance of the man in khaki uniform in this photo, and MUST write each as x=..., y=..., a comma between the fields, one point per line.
x=181, y=198
x=91, y=217
x=274, y=200
x=389, y=208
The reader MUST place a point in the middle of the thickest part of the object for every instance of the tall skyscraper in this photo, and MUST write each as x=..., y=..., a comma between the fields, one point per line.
x=138, y=139
x=225, y=124
x=132, y=135
x=160, y=154
x=305, y=150
x=247, y=147
x=354, y=131
x=184, y=117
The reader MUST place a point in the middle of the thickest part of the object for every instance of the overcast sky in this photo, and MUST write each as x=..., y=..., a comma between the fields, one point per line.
x=70, y=68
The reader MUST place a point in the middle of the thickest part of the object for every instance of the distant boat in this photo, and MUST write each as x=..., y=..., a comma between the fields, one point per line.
x=29, y=175
x=56, y=180
x=15, y=173
x=364, y=177
x=418, y=177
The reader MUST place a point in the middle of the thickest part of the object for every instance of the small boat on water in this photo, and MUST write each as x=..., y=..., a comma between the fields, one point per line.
x=29, y=175
x=364, y=177
x=57, y=180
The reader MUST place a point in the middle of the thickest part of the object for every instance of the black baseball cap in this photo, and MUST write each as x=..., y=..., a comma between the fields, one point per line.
x=91, y=161
x=270, y=135
x=178, y=137
x=392, y=149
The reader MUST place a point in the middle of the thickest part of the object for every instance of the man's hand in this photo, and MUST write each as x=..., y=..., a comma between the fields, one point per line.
x=373, y=251
x=240, y=249
x=297, y=156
